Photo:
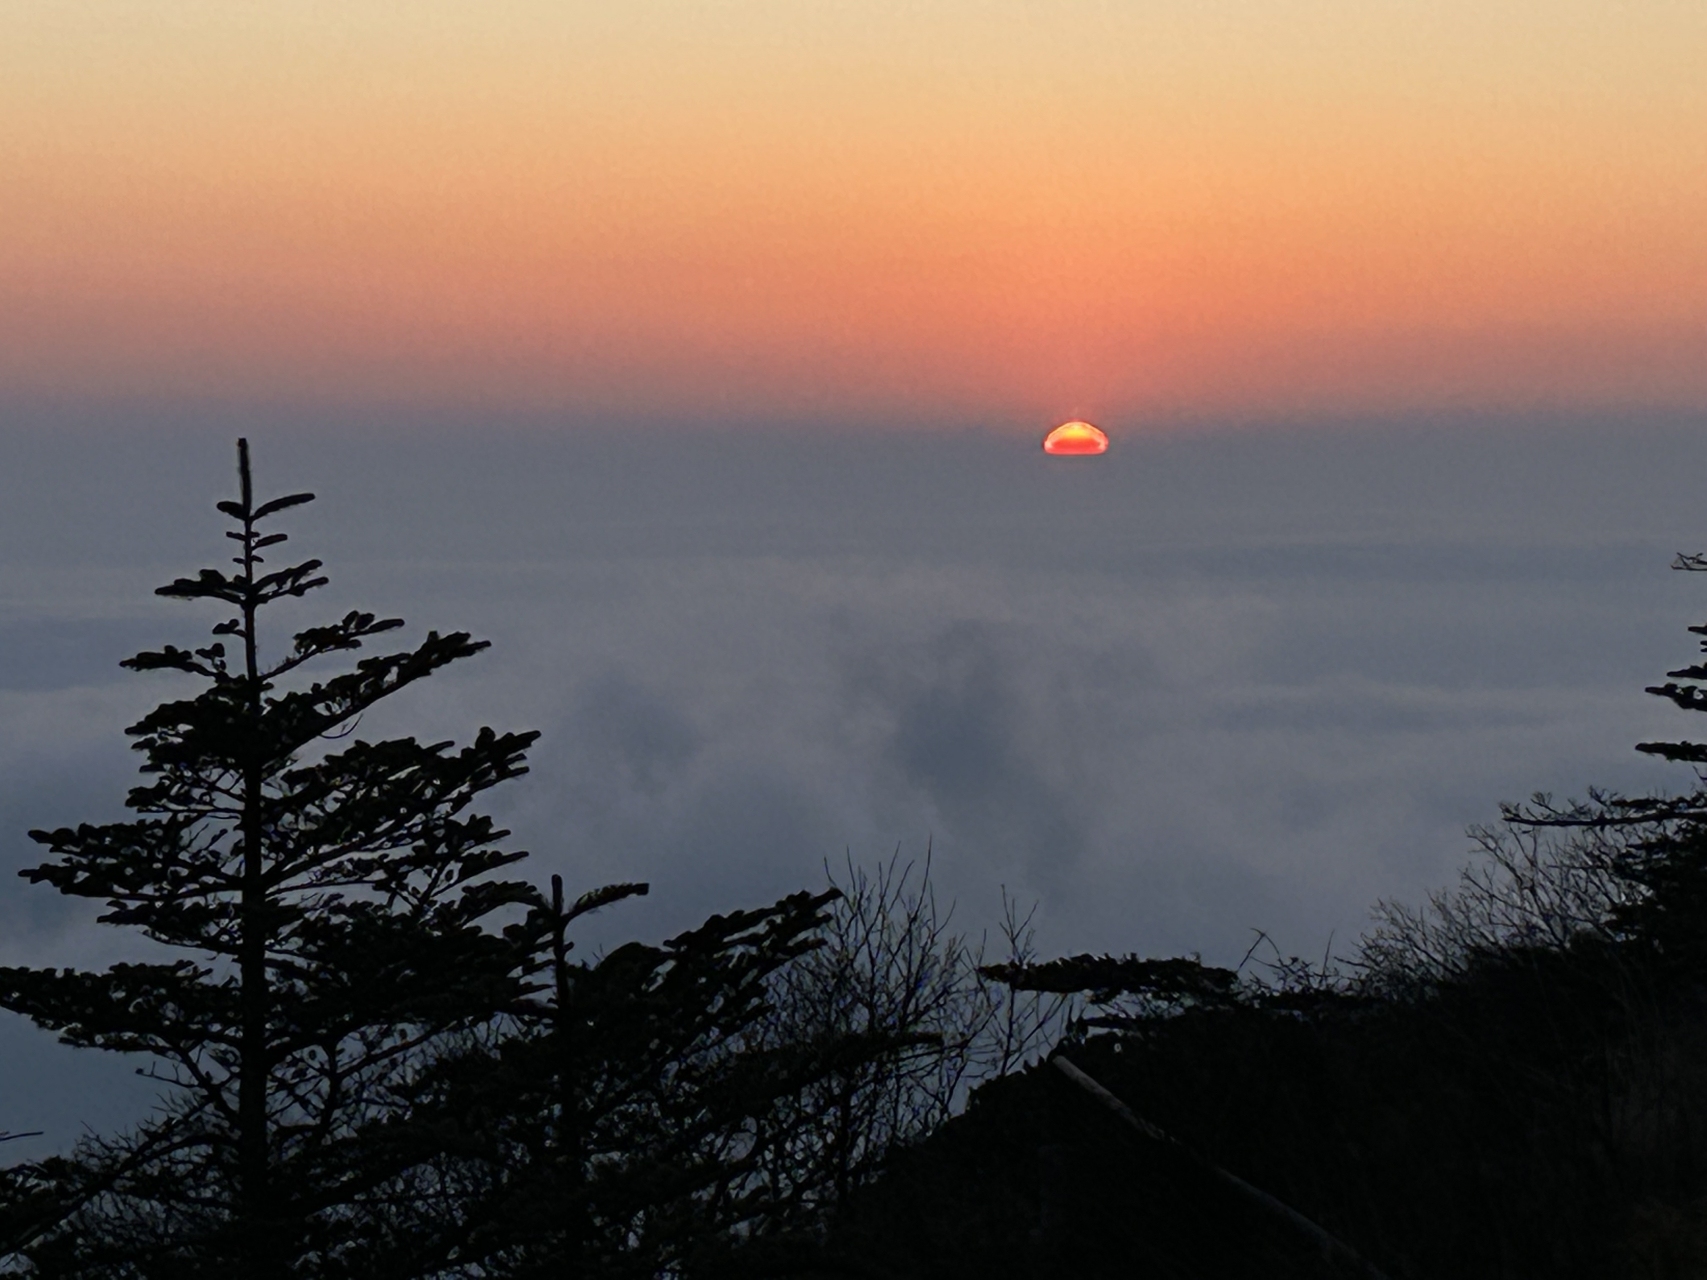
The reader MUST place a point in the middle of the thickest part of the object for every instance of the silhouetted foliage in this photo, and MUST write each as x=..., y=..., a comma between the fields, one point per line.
x=327, y=902
x=1510, y=1081
x=629, y=1121
x=698, y=1107
x=892, y=967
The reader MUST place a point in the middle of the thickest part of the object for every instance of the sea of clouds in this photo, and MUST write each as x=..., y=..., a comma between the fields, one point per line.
x=1208, y=683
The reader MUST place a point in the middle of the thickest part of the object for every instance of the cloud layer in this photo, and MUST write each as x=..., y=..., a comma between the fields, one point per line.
x=1198, y=686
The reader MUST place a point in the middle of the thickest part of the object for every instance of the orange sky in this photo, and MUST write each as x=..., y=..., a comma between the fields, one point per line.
x=969, y=209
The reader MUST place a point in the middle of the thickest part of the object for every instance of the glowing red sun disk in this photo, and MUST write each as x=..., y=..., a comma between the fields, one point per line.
x=1075, y=438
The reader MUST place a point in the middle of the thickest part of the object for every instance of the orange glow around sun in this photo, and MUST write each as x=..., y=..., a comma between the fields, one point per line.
x=767, y=211
x=1075, y=439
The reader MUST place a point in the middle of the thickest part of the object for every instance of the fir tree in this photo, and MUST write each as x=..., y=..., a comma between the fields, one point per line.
x=330, y=906
x=638, y=1120
x=1661, y=854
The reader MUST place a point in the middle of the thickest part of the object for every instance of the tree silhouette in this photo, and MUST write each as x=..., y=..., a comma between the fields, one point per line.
x=329, y=903
x=1660, y=842
x=892, y=964
x=638, y=1117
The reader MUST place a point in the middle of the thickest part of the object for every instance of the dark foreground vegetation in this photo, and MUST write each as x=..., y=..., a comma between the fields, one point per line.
x=381, y=1055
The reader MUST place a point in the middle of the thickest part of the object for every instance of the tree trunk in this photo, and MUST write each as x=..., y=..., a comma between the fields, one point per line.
x=577, y=1222
x=259, y=1238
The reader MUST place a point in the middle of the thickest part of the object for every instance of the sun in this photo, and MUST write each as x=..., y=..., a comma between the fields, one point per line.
x=1075, y=439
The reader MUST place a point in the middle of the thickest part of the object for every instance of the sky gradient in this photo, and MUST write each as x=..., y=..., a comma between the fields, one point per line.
x=996, y=212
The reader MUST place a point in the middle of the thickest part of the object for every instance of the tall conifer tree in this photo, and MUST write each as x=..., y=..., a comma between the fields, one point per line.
x=639, y=1119
x=329, y=902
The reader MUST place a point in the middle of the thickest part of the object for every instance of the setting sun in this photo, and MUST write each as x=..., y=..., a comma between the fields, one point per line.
x=1075, y=438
